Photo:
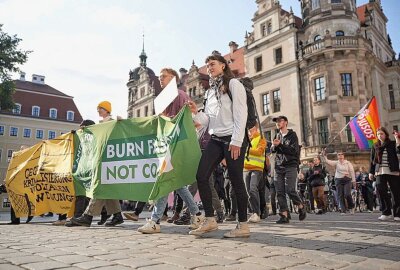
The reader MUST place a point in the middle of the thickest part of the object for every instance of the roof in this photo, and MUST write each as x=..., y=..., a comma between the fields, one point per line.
x=46, y=97
x=297, y=20
x=154, y=81
x=361, y=12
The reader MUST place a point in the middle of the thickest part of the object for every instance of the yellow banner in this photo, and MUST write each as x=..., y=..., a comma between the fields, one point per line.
x=39, y=178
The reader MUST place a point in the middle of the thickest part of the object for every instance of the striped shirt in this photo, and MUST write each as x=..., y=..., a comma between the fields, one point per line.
x=384, y=166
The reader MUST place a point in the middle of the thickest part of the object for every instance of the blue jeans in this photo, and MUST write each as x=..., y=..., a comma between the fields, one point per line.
x=161, y=203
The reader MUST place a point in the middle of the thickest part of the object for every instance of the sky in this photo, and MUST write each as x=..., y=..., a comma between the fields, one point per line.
x=86, y=48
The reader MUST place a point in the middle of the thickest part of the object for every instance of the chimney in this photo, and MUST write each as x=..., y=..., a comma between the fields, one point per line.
x=233, y=46
x=38, y=79
x=22, y=76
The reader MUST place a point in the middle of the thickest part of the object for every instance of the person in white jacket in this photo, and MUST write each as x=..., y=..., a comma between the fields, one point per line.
x=225, y=115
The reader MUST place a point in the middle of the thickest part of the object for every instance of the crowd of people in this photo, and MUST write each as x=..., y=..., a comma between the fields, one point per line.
x=236, y=169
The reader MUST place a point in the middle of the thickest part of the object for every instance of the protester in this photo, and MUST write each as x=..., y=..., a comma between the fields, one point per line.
x=316, y=178
x=385, y=167
x=227, y=128
x=253, y=172
x=366, y=188
x=287, y=152
x=345, y=179
x=153, y=224
x=95, y=206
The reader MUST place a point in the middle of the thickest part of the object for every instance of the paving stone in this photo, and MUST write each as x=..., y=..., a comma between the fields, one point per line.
x=160, y=267
x=5, y=266
x=94, y=264
x=26, y=259
x=183, y=262
x=72, y=259
x=47, y=265
x=136, y=263
x=113, y=256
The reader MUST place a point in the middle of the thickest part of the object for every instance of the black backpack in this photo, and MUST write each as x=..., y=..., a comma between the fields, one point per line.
x=251, y=104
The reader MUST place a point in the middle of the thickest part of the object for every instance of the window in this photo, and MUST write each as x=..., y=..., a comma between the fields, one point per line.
x=349, y=134
x=317, y=37
x=319, y=84
x=9, y=154
x=263, y=29
x=146, y=111
x=339, y=33
x=27, y=132
x=315, y=4
x=17, y=109
x=269, y=28
x=277, y=100
x=70, y=116
x=1, y=130
x=39, y=134
x=347, y=86
x=323, y=133
x=142, y=91
x=336, y=1
x=278, y=56
x=52, y=134
x=258, y=63
x=53, y=113
x=391, y=97
x=36, y=111
x=265, y=102
x=138, y=113
x=13, y=131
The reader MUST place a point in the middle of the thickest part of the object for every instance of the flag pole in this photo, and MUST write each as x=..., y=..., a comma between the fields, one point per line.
x=358, y=113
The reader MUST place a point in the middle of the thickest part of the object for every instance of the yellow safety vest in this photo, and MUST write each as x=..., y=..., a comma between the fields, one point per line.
x=256, y=161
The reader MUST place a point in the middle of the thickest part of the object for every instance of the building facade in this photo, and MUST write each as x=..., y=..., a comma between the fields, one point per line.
x=41, y=112
x=330, y=63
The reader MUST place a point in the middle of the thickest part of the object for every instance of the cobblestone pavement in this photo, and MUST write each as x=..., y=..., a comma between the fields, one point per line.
x=320, y=242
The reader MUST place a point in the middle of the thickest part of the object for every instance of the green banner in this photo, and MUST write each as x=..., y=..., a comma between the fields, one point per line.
x=136, y=159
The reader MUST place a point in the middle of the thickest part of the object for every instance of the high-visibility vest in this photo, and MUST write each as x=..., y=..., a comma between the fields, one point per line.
x=257, y=161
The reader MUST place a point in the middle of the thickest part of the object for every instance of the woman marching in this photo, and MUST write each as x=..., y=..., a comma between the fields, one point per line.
x=225, y=115
x=385, y=167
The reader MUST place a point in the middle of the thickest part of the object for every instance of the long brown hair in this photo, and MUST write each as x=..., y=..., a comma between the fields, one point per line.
x=228, y=74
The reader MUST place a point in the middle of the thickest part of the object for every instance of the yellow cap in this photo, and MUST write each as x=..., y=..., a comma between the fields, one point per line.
x=106, y=105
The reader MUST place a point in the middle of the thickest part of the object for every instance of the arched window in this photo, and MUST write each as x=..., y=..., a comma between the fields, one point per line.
x=269, y=28
x=70, y=116
x=17, y=109
x=339, y=33
x=317, y=37
x=53, y=113
x=36, y=111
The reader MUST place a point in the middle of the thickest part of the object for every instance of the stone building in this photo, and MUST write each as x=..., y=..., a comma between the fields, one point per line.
x=41, y=112
x=330, y=63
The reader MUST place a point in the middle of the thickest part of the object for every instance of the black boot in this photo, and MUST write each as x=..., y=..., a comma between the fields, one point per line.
x=29, y=219
x=84, y=220
x=282, y=220
x=220, y=217
x=103, y=219
x=117, y=219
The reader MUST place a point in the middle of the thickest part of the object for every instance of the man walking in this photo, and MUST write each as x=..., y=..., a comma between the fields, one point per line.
x=286, y=147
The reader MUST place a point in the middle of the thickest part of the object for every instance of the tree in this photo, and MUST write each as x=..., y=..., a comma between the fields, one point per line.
x=10, y=58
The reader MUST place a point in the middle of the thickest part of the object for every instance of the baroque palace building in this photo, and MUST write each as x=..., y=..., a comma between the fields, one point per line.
x=318, y=70
x=321, y=69
x=41, y=112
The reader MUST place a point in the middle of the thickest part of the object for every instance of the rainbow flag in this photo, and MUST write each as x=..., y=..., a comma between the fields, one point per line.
x=364, y=125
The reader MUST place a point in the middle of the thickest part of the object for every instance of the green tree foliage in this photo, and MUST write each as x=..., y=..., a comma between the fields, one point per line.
x=10, y=58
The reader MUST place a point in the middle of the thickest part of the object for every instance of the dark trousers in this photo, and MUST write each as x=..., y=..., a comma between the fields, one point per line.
x=14, y=219
x=272, y=191
x=285, y=183
x=139, y=207
x=368, y=196
x=318, y=194
x=343, y=188
x=311, y=196
x=81, y=202
x=212, y=156
x=382, y=182
x=231, y=197
x=261, y=190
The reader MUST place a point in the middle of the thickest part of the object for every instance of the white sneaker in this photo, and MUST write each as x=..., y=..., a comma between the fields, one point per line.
x=383, y=217
x=196, y=221
x=150, y=227
x=209, y=224
x=242, y=230
x=254, y=218
x=396, y=218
